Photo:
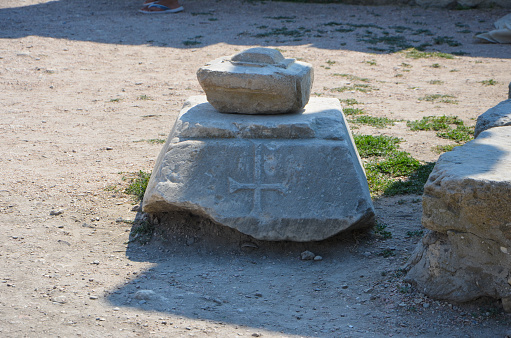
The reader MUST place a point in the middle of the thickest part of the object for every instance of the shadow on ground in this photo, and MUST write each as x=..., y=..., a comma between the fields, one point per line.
x=210, y=272
x=327, y=26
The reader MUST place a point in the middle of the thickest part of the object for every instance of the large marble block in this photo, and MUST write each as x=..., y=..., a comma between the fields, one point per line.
x=281, y=177
x=467, y=207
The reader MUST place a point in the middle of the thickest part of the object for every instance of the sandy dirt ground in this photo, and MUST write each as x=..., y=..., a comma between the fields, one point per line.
x=85, y=86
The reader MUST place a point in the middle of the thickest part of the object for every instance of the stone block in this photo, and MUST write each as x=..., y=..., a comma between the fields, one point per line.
x=257, y=81
x=467, y=205
x=291, y=177
x=498, y=116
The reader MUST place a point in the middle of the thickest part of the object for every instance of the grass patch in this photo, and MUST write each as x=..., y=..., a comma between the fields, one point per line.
x=444, y=149
x=377, y=122
x=349, y=102
x=153, y=141
x=434, y=123
x=389, y=171
x=138, y=184
x=397, y=164
x=379, y=229
x=373, y=146
x=364, y=88
x=449, y=40
x=416, y=54
x=352, y=111
x=436, y=82
x=461, y=134
x=439, y=98
x=448, y=127
x=413, y=184
x=490, y=82
x=284, y=31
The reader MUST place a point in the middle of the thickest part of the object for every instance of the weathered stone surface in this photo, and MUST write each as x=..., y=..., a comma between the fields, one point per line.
x=498, y=116
x=281, y=177
x=509, y=93
x=257, y=81
x=467, y=205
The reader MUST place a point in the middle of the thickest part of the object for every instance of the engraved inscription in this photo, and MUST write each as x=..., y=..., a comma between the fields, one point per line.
x=257, y=186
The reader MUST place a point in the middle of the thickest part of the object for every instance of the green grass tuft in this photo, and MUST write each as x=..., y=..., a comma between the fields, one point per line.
x=416, y=54
x=490, y=82
x=414, y=184
x=377, y=122
x=364, y=88
x=352, y=111
x=138, y=185
x=397, y=164
x=461, y=134
x=349, y=102
x=439, y=98
x=369, y=145
x=434, y=123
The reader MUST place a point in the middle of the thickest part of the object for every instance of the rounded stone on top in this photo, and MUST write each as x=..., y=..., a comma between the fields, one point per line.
x=259, y=55
x=256, y=81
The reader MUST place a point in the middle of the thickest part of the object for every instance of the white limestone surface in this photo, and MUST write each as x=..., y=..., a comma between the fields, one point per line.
x=257, y=81
x=291, y=177
x=467, y=207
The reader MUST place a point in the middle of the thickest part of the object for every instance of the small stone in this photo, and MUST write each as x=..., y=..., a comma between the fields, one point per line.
x=307, y=255
x=344, y=286
x=60, y=299
x=402, y=304
x=93, y=297
x=109, y=148
x=116, y=309
x=255, y=334
x=506, y=304
x=101, y=319
x=136, y=208
x=95, y=262
x=426, y=305
x=145, y=295
x=56, y=212
x=318, y=258
x=119, y=220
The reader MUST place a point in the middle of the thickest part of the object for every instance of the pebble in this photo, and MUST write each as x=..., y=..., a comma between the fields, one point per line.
x=136, y=208
x=145, y=294
x=60, y=299
x=95, y=262
x=318, y=258
x=93, y=297
x=109, y=148
x=56, y=212
x=344, y=286
x=425, y=305
x=307, y=256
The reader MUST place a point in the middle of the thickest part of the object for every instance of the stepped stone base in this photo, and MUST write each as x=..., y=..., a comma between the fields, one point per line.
x=291, y=177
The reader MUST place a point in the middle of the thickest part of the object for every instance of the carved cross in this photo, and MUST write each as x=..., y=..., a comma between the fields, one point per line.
x=257, y=186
